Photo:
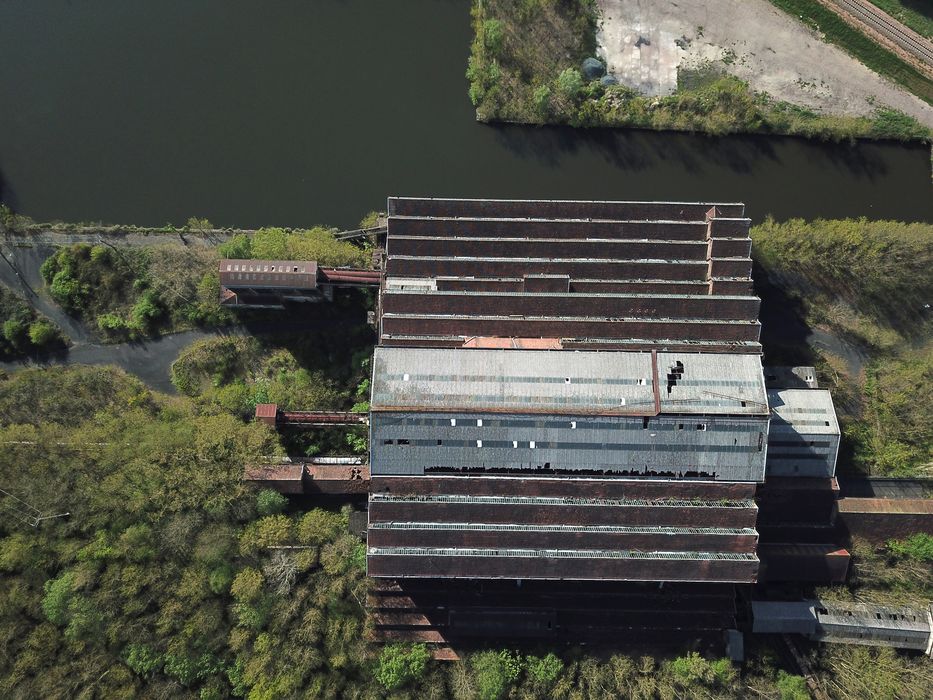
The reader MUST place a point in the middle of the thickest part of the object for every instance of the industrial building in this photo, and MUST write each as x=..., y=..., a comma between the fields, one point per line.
x=572, y=436
x=847, y=623
x=271, y=284
x=566, y=391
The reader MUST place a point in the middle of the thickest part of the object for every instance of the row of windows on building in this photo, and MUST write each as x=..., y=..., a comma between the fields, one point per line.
x=300, y=269
x=550, y=445
x=588, y=424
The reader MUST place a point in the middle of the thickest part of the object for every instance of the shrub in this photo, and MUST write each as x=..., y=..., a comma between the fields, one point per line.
x=238, y=247
x=16, y=333
x=492, y=36
x=792, y=687
x=544, y=670
x=58, y=594
x=269, y=502
x=142, y=659
x=42, y=333
x=400, y=664
x=492, y=675
x=919, y=547
x=569, y=83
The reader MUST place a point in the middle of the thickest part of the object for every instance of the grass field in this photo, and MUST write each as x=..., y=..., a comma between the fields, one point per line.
x=858, y=45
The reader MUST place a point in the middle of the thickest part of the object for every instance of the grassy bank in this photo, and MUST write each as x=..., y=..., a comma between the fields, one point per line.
x=866, y=284
x=876, y=57
x=525, y=64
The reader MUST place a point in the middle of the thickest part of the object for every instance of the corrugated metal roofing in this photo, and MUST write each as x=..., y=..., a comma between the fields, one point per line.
x=716, y=383
x=559, y=553
x=805, y=411
x=451, y=379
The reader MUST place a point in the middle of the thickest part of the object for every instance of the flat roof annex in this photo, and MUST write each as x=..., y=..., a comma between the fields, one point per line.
x=803, y=411
x=578, y=382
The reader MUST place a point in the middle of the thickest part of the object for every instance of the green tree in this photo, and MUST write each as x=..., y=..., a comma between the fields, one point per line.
x=544, y=670
x=269, y=502
x=16, y=333
x=492, y=36
x=400, y=665
x=792, y=687
x=238, y=247
x=542, y=100
x=58, y=594
x=491, y=674
x=43, y=333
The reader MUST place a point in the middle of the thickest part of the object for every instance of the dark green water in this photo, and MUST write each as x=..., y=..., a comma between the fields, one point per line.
x=295, y=112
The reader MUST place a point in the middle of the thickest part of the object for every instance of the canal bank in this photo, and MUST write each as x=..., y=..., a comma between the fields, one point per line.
x=294, y=129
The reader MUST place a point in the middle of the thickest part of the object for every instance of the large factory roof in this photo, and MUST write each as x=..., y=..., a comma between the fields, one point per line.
x=629, y=275
x=534, y=381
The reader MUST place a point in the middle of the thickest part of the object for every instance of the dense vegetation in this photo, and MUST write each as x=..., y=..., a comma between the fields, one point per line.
x=23, y=331
x=866, y=283
x=862, y=47
x=134, y=292
x=525, y=67
x=916, y=14
x=323, y=370
x=168, y=576
x=280, y=244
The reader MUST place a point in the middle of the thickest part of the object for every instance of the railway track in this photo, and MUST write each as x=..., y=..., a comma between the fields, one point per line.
x=888, y=27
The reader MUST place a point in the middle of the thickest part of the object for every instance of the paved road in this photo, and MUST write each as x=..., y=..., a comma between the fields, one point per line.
x=902, y=36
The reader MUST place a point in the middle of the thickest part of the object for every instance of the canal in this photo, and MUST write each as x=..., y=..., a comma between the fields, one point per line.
x=298, y=112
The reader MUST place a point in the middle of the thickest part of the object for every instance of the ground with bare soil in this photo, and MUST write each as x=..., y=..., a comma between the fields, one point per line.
x=647, y=42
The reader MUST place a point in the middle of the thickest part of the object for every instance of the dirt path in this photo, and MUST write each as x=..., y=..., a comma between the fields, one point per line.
x=646, y=42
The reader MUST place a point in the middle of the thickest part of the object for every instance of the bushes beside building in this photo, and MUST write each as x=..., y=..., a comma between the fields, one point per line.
x=280, y=244
x=126, y=293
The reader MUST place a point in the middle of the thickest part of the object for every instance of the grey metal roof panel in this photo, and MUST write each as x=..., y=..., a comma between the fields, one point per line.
x=514, y=380
x=536, y=381
x=807, y=411
x=713, y=383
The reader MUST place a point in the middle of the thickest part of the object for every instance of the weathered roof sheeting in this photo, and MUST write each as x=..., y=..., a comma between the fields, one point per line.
x=803, y=411
x=639, y=275
x=592, y=531
x=617, y=383
x=274, y=274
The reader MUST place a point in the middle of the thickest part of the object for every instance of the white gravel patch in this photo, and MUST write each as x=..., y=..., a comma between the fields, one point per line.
x=646, y=42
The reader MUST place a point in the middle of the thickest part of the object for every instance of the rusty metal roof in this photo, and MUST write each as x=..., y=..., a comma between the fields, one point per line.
x=289, y=274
